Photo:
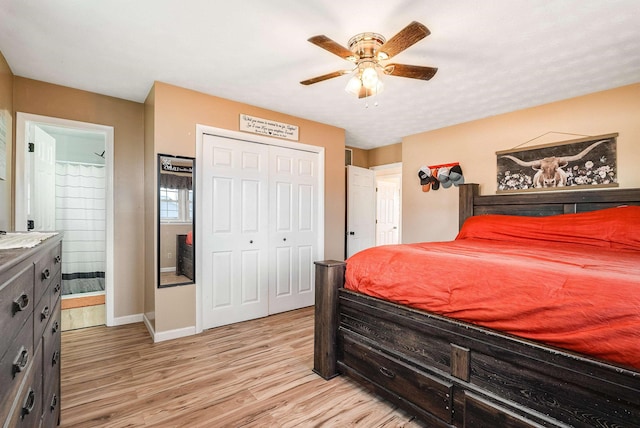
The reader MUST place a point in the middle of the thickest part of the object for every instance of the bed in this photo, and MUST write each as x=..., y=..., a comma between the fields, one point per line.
x=184, y=251
x=464, y=371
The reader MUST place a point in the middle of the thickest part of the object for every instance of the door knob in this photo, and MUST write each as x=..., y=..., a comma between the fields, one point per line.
x=251, y=242
x=352, y=233
x=284, y=239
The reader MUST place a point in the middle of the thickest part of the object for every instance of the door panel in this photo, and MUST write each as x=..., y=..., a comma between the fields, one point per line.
x=42, y=206
x=294, y=234
x=283, y=272
x=305, y=268
x=235, y=240
x=388, y=212
x=305, y=208
x=283, y=203
x=250, y=277
x=361, y=209
x=250, y=201
x=221, y=267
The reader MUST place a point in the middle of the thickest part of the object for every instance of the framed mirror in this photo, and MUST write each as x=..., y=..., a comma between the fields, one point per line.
x=176, y=220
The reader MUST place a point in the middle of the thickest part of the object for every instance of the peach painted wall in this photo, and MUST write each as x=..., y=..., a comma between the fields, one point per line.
x=177, y=111
x=6, y=111
x=359, y=157
x=127, y=119
x=433, y=216
x=385, y=155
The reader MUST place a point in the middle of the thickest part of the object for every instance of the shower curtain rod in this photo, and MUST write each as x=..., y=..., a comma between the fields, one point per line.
x=81, y=163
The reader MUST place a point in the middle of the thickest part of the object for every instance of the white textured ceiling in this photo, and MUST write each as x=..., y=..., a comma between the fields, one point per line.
x=493, y=56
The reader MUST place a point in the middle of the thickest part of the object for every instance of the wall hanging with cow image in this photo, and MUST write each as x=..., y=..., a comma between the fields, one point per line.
x=584, y=162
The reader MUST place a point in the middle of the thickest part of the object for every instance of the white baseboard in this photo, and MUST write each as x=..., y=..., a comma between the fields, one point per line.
x=149, y=326
x=173, y=334
x=129, y=319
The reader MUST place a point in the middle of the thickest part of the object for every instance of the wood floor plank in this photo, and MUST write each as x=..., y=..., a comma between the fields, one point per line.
x=251, y=374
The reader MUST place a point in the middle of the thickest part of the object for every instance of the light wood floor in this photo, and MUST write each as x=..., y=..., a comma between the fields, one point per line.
x=170, y=278
x=252, y=374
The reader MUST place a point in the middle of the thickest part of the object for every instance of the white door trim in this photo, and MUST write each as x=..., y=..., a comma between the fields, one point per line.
x=21, y=180
x=251, y=138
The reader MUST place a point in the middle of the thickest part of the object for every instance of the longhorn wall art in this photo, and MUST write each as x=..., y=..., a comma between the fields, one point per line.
x=585, y=162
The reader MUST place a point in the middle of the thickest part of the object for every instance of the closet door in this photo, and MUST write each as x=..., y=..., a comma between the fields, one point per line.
x=293, y=230
x=234, y=230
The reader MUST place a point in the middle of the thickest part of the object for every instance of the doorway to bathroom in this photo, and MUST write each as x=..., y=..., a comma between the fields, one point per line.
x=63, y=182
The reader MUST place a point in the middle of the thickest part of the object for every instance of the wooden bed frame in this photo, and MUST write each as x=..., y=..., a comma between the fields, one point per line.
x=453, y=374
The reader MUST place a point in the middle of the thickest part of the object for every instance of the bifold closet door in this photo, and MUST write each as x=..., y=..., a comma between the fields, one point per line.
x=293, y=219
x=234, y=230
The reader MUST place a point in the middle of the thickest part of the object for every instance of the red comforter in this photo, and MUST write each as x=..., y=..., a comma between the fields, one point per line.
x=571, y=281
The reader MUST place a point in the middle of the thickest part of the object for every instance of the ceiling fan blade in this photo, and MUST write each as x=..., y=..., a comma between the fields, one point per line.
x=325, y=77
x=335, y=48
x=412, y=71
x=408, y=36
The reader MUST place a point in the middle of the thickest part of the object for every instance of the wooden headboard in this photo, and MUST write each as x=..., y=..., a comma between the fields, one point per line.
x=543, y=203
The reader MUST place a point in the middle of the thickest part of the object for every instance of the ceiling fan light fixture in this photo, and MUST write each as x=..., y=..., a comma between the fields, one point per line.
x=353, y=85
x=370, y=77
x=366, y=81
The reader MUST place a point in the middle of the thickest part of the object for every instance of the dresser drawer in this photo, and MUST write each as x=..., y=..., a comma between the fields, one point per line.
x=14, y=364
x=16, y=302
x=52, y=339
x=42, y=313
x=47, y=267
x=423, y=390
x=51, y=405
x=27, y=407
x=55, y=289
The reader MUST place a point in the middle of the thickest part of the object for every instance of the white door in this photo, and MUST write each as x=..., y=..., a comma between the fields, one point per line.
x=361, y=209
x=388, y=211
x=234, y=230
x=42, y=188
x=293, y=228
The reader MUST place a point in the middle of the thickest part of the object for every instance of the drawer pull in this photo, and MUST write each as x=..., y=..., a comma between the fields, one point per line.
x=388, y=373
x=54, y=402
x=29, y=403
x=20, y=304
x=45, y=313
x=56, y=289
x=56, y=259
x=55, y=358
x=21, y=361
x=46, y=274
x=54, y=327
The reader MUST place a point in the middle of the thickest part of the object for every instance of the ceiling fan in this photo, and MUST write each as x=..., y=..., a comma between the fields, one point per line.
x=370, y=53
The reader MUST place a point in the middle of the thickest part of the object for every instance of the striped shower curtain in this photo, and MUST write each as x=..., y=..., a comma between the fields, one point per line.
x=81, y=215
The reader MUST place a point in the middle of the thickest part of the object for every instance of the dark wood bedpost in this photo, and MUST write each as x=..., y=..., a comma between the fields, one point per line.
x=466, y=194
x=329, y=277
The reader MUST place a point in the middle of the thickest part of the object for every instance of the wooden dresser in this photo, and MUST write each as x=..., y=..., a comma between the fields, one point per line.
x=30, y=333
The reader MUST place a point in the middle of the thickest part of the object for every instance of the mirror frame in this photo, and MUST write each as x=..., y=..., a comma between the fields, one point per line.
x=161, y=160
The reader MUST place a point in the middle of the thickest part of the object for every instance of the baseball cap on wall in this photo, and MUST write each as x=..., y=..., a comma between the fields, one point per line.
x=455, y=175
x=443, y=177
x=435, y=184
x=424, y=173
